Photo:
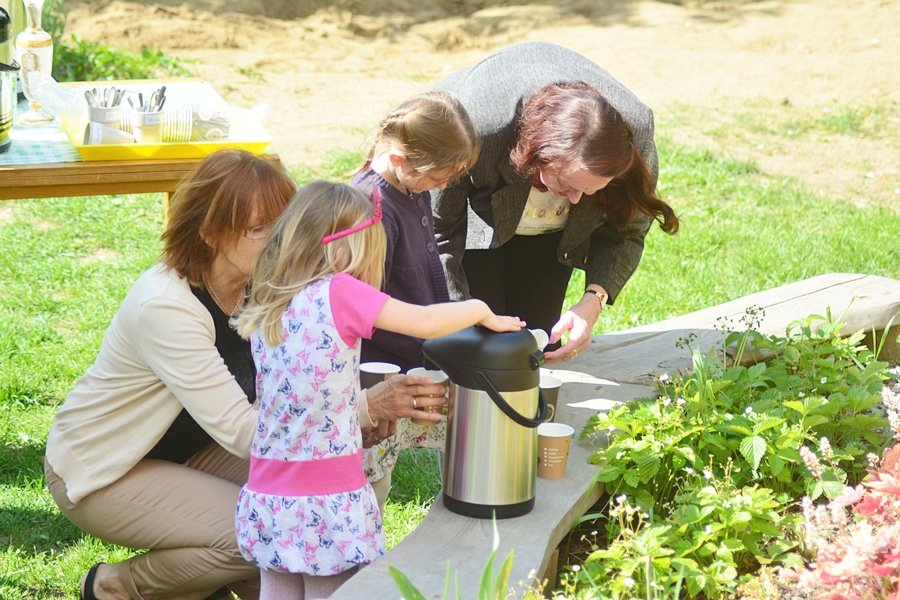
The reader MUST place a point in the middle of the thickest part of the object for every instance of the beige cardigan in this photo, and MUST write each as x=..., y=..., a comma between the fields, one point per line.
x=158, y=357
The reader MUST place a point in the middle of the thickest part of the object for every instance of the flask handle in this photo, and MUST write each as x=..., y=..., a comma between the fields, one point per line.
x=508, y=410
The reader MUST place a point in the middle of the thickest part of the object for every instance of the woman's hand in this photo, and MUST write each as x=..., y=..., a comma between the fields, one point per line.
x=406, y=396
x=579, y=322
x=502, y=323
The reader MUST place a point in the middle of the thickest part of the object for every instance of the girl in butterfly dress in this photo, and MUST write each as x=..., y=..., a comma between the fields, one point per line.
x=307, y=516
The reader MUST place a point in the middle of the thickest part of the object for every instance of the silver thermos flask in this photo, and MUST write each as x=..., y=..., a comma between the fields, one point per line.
x=495, y=406
x=8, y=77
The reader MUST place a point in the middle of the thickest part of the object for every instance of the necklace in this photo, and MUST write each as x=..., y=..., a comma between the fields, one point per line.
x=221, y=304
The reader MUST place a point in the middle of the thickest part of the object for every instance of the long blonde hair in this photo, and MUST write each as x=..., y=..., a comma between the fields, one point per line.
x=434, y=132
x=295, y=256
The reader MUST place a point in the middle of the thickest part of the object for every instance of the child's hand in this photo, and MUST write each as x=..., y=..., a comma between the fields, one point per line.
x=501, y=323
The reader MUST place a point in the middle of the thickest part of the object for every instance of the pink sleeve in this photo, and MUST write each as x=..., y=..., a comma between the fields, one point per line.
x=354, y=305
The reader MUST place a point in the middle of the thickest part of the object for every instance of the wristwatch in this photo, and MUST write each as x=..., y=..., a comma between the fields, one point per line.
x=602, y=296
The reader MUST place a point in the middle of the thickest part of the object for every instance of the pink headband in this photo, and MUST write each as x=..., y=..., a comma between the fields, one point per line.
x=359, y=226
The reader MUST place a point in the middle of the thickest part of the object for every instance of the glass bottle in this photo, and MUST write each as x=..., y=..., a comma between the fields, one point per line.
x=34, y=51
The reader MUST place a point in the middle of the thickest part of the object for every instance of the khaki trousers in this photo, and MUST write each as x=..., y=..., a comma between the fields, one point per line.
x=184, y=515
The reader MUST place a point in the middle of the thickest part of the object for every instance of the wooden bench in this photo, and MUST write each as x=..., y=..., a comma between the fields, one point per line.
x=618, y=367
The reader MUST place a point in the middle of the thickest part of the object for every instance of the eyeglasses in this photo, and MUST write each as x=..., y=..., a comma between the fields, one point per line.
x=359, y=226
x=257, y=232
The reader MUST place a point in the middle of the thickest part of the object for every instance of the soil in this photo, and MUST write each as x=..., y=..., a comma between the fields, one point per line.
x=743, y=78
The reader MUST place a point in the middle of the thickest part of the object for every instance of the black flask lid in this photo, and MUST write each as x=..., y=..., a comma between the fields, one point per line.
x=510, y=360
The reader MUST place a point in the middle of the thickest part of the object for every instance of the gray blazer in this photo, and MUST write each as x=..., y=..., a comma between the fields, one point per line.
x=483, y=210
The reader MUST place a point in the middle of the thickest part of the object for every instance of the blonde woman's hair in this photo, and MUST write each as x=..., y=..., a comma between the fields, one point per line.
x=294, y=255
x=434, y=132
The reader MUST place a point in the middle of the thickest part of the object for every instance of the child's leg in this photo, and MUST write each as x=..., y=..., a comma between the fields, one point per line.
x=280, y=586
x=318, y=588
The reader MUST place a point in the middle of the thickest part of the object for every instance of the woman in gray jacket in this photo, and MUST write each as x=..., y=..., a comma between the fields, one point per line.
x=566, y=179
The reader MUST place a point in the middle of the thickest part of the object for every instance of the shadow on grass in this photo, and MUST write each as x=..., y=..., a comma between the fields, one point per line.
x=36, y=531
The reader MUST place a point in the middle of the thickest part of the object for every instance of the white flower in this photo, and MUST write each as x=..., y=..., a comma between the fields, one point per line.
x=823, y=380
x=664, y=378
x=729, y=416
x=708, y=529
x=748, y=410
x=707, y=474
x=629, y=582
x=801, y=395
x=611, y=428
x=667, y=402
x=621, y=499
x=680, y=401
x=689, y=470
x=576, y=568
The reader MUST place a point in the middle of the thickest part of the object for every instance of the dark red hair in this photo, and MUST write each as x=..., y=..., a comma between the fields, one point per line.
x=571, y=126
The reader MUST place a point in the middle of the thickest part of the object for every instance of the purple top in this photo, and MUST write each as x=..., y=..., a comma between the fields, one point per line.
x=412, y=269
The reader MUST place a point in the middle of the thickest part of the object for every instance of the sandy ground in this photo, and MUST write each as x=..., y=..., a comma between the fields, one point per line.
x=742, y=78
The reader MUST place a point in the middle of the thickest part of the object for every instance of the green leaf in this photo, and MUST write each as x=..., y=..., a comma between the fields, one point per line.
x=609, y=472
x=796, y=405
x=484, y=587
x=753, y=448
x=813, y=421
x=734, y=428
x=407, y=589
x=791, y=355
x=502, y=580
x=632, y=478
x=831, y=488
x=689, y=514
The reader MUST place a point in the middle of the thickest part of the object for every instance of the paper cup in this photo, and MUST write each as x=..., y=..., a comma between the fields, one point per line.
x=98, y=133
x=541, y=337
x=554, y=440
x=147, y=126
x=105, y=115
x=550, y=390
x=438, y=377
x=372, y=373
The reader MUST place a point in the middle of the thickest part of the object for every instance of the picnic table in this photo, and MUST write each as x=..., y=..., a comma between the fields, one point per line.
x=42, y=163
x=618, y=367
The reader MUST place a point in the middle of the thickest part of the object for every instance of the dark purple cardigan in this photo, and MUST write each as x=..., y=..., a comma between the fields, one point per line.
x=412, y=269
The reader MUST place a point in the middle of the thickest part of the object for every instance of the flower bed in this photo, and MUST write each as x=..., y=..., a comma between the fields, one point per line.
x=707, y=480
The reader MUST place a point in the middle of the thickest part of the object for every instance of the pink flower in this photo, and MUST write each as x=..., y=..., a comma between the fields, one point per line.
x=884, y=482
x=869, y=505
x=850, y=496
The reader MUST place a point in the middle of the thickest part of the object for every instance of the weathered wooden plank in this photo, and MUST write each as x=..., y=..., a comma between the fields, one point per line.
x=638, y=355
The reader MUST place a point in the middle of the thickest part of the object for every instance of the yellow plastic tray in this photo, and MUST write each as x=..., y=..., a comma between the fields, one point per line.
x=247, y=135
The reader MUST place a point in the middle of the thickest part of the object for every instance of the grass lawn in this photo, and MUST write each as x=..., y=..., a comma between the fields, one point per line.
x=65, y=264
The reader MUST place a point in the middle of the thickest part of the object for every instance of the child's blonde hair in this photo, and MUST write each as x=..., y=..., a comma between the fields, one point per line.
x=295, y=256
x=434, y=132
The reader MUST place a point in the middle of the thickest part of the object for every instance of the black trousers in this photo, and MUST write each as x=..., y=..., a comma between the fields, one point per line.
x=521, y=278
